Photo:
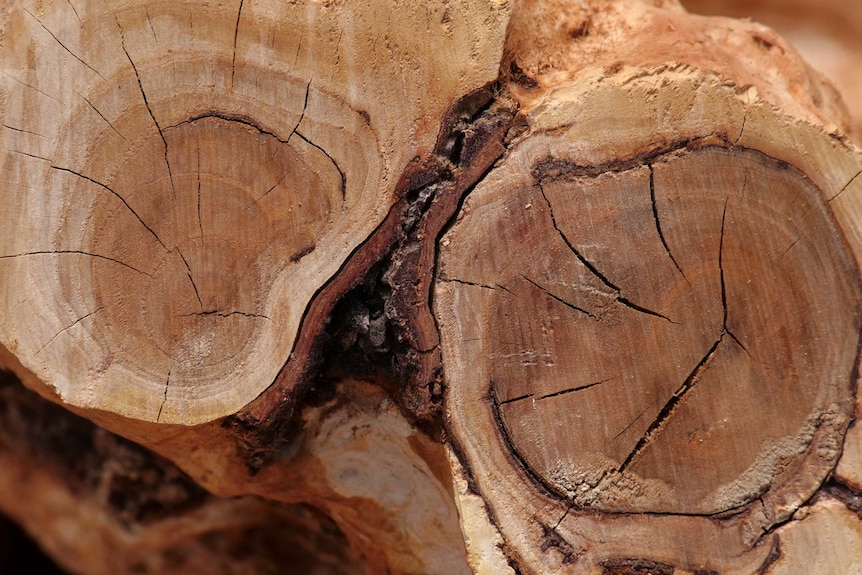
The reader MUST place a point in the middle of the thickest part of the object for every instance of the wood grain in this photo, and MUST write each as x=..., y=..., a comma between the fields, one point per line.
x=184, y=178
x=628, y=327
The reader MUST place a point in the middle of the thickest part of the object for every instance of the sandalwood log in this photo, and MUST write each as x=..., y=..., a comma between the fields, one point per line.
x=532, y=287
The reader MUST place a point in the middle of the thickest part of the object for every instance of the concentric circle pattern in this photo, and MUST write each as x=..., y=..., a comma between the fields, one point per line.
x=654, y=337
x=172, y=194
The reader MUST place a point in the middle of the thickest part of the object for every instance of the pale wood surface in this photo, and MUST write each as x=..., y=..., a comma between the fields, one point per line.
x=825, y=538
x=828, y=35
x=182, y=178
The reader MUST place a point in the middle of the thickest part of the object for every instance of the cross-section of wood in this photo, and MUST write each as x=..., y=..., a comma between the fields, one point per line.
x=651, y=345
x=580, y=277
x=661, y=289
x=181, y=179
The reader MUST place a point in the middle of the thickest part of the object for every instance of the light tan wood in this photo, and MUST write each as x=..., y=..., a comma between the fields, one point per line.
x=182, y=178
x=825, y=538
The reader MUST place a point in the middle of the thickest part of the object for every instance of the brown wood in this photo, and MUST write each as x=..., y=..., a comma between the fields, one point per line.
x=595, y=308
x=652, y=375
x=533, y=287
x=662, y=298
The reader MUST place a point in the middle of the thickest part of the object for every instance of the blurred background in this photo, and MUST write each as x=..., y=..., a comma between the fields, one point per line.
x=827, y=33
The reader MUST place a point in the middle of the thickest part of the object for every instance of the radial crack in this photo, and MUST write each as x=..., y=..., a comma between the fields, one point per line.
x=34, y=88
x=146, y=102
x=75, y=56
x=629, y=426
x=721, y=269
x=739, y=343
x=573, y=249
x=629, y=304
x=23, y=131
x=561, y=300
x=191, y=279
x=744, y=186
x=301, y=114
x=125, y=203
x=331, y=159
x=69, y=2
x=742, y=127
x=574, y=389
x=594, y=270
x=75, y=252
x=67, y=328
x=266, y=193
x=514, y=399
x=200, y=222
x=724, y=327
x=658, y=223
x=474, y=284
x=235, y=38
x=560, y=520
x=150, y=24
x=29, y=155
x=299, y=46
x=671, y=406
x=784, y=253
x=107, y=121
x=165, y=398
x=847, y=185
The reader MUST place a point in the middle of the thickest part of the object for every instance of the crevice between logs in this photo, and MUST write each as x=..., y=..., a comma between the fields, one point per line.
x=376, y=308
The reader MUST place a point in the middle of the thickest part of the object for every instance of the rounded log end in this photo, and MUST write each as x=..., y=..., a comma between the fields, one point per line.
x=644, y=325
x=187, y=178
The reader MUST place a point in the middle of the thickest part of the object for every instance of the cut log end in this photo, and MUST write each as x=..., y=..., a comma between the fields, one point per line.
x=188, y=178
x=646, y=334
x=175, y=218
x=606, y=251
x=679, y=292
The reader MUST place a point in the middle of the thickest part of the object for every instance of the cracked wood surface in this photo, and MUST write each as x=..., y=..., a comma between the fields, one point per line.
x=669, y=381
x=617, y=309
x=216, y=165
x=647, y=303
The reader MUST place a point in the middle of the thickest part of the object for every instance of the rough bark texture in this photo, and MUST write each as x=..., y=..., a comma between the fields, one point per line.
x=334, y=287
x=825, y=34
